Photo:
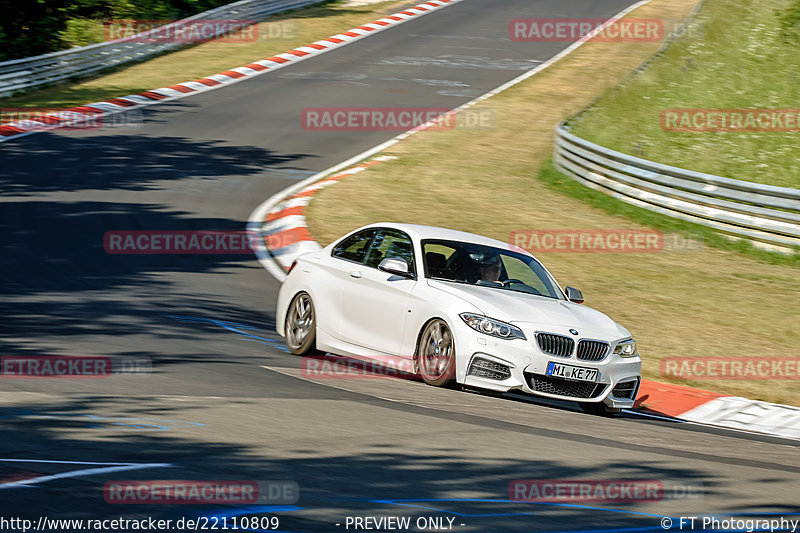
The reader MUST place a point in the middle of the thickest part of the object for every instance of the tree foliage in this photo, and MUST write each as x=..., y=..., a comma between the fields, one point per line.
x=33, y=27
x=790, y=23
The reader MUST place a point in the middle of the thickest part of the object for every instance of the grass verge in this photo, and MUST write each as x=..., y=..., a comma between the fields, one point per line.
x=734, y=55
x=276, y=35
x=707, y=302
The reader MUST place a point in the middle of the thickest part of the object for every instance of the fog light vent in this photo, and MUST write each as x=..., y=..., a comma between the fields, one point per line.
x=626, y=389
x=483, y=368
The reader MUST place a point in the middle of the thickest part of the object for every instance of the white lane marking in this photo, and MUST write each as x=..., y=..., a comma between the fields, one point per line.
x=259, y=213
x=286, y=372
x=460, y=93
x=55, y=461
x=114, y=467
x=459, y=61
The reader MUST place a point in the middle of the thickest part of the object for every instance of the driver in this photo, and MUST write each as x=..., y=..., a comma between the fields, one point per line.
x=489, y=267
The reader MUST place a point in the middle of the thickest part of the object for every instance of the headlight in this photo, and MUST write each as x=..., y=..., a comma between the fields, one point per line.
x=626, y=348
x=492, y=327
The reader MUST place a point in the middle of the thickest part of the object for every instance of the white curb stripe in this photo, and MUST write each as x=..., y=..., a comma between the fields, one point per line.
x=308, y=49
x=222, y=78
x=136, y=99
x=282, y=224
x=196, y=85
x=294, y=202
x=106, y=106
x=748, y=415
x=166, y=91
x=244, y=70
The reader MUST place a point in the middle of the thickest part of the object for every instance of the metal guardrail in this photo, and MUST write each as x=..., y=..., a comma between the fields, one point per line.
x=22, y=74
x=767, y=215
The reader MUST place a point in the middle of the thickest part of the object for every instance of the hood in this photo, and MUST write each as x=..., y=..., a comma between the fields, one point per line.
x=521, y=308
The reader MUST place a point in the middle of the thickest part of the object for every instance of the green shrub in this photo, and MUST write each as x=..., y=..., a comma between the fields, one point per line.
x=82, y=32
x=790, y=23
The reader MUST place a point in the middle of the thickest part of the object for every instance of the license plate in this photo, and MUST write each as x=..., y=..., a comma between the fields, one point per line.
x=575, y=373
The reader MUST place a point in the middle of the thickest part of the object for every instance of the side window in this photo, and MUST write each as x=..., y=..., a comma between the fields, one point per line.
x=354, y=247
x=390, y=244
x=437, y=258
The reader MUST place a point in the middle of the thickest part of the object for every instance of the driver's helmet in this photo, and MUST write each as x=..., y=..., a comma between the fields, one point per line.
x=485, y=258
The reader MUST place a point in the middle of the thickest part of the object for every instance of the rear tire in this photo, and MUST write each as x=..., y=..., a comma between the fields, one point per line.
x=598, y=408
x=436, y=354
x=301, y=325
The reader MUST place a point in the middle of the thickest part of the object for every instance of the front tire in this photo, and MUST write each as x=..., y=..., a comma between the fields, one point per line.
x=436, y=354
x=301, y=325
x=598, y=408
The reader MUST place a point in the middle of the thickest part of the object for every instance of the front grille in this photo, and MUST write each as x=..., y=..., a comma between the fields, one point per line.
x=592, y=350
x=555, y=344
x=565, y=387
x=626, y=389
x=483, y=368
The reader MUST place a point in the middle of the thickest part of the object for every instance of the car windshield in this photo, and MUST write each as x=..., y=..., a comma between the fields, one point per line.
x=487, y=266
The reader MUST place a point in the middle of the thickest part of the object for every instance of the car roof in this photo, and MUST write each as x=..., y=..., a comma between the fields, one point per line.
x=420, y=232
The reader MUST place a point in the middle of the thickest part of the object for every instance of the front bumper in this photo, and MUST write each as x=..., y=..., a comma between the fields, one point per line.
x=504, y=365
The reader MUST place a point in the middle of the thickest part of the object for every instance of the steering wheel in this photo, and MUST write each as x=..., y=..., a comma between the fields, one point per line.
x=525, y=287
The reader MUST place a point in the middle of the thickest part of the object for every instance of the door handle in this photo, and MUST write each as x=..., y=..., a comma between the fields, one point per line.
x=355, y=274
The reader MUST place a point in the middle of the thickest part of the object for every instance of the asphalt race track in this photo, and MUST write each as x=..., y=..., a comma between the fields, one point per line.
x=219, y=397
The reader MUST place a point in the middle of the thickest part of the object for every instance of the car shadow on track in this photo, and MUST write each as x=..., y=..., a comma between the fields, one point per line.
x=385, y=474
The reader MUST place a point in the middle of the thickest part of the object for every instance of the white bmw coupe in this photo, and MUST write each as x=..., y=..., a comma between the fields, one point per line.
x=459, y=308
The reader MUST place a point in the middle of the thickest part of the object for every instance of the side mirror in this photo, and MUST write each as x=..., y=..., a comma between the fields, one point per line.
x=396, y=266
x=574, y=295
